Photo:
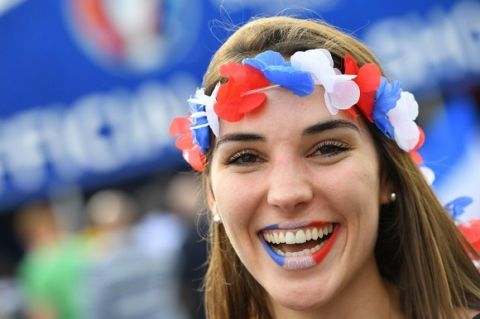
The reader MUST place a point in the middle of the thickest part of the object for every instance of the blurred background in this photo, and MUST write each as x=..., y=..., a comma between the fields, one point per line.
x=99, y=216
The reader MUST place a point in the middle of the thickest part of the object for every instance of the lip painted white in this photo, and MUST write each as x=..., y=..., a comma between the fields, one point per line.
x=301, y=262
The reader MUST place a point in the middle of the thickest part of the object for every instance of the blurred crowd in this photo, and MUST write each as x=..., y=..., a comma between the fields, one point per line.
x=121, y=255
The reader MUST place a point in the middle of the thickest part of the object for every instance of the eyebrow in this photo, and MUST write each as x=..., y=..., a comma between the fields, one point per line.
x=329, y=125
x=239, y=137
x=311, y=130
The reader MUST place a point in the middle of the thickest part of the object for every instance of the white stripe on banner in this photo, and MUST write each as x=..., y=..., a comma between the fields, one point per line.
x=7, y=5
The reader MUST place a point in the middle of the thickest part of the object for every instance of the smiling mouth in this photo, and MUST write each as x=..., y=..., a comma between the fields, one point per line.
x=299, y=248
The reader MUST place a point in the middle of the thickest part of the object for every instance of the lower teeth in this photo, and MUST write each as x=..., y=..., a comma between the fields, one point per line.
x=304, y=252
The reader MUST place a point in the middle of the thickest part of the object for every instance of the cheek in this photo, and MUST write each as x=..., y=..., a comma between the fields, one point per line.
x=353, y=189
x=353, y=197
x=237, y=208
x=235, y=202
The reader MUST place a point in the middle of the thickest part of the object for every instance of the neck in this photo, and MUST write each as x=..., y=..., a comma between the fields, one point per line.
x=367, y=296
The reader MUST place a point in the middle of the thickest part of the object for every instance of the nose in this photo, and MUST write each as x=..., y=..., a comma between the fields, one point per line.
x=290, y=187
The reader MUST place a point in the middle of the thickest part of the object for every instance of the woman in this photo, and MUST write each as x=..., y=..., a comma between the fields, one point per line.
x=309, y=162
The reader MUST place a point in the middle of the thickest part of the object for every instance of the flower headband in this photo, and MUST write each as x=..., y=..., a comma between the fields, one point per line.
x=383, y=103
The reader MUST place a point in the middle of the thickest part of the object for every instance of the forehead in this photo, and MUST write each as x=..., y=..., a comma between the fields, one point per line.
x=285, y=115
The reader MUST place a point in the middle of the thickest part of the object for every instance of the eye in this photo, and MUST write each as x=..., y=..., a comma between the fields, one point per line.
x=244, y=157
x=329, y=148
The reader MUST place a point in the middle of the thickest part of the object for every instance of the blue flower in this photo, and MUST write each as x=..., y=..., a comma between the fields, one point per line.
x=386, y=98
x=457, y=206
x=199, y=127
x=278, y=71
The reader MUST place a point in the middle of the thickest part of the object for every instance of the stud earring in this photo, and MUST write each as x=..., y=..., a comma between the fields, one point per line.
x=217, y=219
x=393, y=197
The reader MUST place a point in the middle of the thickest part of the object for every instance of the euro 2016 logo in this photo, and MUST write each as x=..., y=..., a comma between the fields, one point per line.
x=136, y=36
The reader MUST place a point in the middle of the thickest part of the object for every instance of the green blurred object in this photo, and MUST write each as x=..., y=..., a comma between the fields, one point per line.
x=51, y=278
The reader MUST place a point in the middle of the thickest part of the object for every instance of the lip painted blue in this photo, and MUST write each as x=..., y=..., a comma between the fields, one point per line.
x=270, y=227
x=279, y=260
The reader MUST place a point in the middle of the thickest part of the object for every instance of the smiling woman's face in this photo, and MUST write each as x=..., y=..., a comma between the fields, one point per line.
x=298, y=191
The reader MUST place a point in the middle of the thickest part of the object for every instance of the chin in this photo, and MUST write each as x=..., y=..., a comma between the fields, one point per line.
x=302, y=304
x=302, y=300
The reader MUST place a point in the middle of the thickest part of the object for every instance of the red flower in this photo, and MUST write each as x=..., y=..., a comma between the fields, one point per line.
x=414, y=153
x=232, y=103
x=417, y=158
x=421, y=139
x=180, y=127
x=195, y=158
x=471, y=231
x=368, y=80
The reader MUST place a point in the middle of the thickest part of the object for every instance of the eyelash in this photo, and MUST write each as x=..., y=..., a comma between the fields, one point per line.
x=236, y=158
x=330, y=148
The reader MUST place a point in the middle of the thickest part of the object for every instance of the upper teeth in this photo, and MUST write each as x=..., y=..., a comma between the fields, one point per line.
x=300, y=236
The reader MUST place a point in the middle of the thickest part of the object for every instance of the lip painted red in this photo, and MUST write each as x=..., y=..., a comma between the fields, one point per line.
x=319, y=224
x=319, y=255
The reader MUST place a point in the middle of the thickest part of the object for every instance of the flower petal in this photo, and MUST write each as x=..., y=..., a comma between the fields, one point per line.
x=344, y=95
x=318, y=62
x=265, y=59
x=368, y=78
x=241, y=79
x=428, y=174
x=387, y=96
x=184, y=142
x=250, y=102
x=406, y=108
x=366, y=103
x=457, y=206
x=417, y=158
x=350, y=65
x=201, y=137
x=195, y=159
x=406, y=135
x=278, y=71
x=228, y=110
x=300, y=83
x=179, y=125
x=421, y=139
x=471, y=231
x=212, y=118
x=383, y=124
x=341, y=91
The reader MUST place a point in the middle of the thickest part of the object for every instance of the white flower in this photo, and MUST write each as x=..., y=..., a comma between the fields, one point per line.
x=340, y=91
x=428, y=174
x=402, y=117
x=209, y=101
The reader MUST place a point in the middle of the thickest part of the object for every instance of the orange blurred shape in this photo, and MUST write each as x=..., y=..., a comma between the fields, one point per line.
x=91, y=15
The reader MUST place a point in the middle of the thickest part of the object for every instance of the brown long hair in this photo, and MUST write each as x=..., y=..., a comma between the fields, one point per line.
x=418, y=249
